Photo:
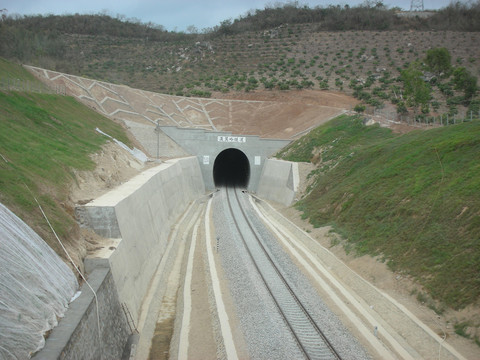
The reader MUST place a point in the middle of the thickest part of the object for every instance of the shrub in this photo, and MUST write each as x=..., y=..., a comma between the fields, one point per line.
x=439, y=60
x=456, y=100
x=380, y=93
x=401, y=108
x=307, y=84
x=425, y=108
x=362, y=95
x=359, y=108
x=465, y=82
x=375, y=103
x=446, y=89
x=474, y=107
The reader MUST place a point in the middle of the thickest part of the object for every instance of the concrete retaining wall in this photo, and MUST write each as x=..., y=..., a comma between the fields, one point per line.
x=279, y=181
x=141, y=213
x=77, y=336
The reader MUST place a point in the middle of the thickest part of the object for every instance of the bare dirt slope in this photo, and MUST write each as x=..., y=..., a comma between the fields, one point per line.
x=286, y=114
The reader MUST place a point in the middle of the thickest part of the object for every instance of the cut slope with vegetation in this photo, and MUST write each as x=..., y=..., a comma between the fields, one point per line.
x=412, y=199
x=42, y=138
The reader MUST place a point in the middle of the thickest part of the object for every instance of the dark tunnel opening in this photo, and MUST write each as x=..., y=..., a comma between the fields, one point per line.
x=231, y=168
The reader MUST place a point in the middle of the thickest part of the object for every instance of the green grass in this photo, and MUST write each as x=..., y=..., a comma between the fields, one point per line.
x=42, y=138
x=14, y=71
x=413, y=198
x=342, y=136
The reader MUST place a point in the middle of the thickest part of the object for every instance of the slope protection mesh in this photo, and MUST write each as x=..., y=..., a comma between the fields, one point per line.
x=35, y=288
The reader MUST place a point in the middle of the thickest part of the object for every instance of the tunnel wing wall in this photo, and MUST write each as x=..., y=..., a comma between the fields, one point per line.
x=279, y=181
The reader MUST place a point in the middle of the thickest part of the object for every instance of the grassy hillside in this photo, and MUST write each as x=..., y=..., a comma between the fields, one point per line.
x=43, y=137
x=413, y=199
x=12, y=71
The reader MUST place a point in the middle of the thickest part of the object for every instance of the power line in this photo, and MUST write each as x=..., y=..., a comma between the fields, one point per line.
x=416, y=5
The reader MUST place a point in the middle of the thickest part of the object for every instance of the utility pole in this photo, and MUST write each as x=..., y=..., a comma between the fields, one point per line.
x=157, y=130
x=4, y=14
x=417, y=5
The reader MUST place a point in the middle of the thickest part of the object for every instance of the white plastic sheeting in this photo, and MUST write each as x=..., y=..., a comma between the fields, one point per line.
x=35, y=288
x=137, y=153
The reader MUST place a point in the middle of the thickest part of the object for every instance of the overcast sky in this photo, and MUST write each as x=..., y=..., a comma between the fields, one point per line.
x=176, y=14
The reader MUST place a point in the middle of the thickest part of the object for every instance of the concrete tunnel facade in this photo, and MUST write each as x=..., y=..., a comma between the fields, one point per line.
x=223, y=157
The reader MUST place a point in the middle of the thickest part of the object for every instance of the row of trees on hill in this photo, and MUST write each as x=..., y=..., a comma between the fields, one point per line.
x=32, y=37
x=371, y=15
x=364, y=17
x=98, y=24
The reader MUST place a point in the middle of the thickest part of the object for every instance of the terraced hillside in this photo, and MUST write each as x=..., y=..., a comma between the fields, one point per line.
x=360, y=51
x=287, y=57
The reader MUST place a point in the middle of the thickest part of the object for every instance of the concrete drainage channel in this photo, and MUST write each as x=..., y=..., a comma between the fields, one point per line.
x=191, y=314
x=166, y=299
x=202, y=328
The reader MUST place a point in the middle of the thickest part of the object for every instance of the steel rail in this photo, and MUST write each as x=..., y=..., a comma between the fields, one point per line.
x=296, y=316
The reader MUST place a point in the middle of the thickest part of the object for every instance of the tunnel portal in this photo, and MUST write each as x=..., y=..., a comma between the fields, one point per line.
x=231, y=168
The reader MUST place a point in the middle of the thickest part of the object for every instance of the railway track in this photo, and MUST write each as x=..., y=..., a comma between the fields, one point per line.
x=308, y=335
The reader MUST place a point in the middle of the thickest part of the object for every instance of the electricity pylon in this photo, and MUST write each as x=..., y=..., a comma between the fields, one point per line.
x=416, y=5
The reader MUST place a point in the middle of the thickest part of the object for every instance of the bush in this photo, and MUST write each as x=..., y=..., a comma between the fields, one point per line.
x=446, y=89
x=425, y=108
x=362, y=95
x=456, y=100
x=465, y=82
x=375, y=103
x=474, y=108
x=359, y=108
x=401, y=108
x=439, y=60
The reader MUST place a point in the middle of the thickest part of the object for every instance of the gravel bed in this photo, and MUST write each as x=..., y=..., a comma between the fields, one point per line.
x=265, y=332
x=263, y=328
